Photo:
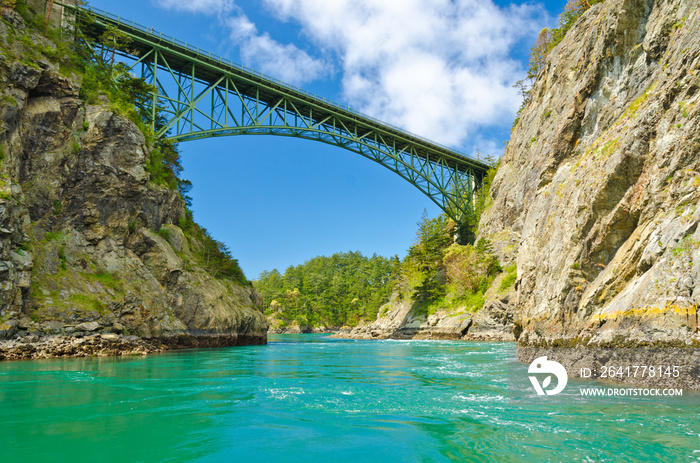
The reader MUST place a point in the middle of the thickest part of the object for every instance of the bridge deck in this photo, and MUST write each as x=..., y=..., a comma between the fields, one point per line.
x=256, y=85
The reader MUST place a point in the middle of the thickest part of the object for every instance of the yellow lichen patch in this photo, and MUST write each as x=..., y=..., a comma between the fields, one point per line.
x=603, y=294
x=609, y=148
x=5, y=326
x=603, y=147
x=560, y=189
x=503, y=235
x=649, y=312
x=631, y=111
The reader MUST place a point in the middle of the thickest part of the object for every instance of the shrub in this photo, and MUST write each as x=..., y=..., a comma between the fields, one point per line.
x=164, y=233
x=302, y=321
x=62, y=257
x=472, y=301
x=88, y=303
x=53, y=236
x=469, y=269
x=214, y=255
x=509, y=279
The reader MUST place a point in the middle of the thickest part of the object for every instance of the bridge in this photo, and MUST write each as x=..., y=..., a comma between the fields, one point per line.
x=202, y=95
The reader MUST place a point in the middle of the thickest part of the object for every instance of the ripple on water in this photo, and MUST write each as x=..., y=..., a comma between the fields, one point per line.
x=323, y=399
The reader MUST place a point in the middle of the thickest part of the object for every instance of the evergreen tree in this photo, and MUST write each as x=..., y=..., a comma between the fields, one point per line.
x=332, y=291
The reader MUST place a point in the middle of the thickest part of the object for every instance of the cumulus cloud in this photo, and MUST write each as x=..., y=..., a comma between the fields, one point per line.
x=282, y=61
x=198, y=6
x=260, y=51
x=442, y=69
x=439, y=68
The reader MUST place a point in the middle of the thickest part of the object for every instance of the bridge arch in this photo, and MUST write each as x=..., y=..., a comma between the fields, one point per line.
x=202, y=95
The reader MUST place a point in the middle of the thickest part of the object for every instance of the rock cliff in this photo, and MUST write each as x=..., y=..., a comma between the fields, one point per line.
x=600, y=182
x=91, y=256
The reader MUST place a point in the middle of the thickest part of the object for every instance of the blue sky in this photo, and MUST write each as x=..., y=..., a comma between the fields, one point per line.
x=442, y=69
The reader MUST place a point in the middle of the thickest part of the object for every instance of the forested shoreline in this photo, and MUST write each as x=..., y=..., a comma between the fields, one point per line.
x=329, y=291
x=348, y=288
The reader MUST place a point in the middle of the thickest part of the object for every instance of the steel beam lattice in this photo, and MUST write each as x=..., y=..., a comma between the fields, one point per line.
x=202, y=95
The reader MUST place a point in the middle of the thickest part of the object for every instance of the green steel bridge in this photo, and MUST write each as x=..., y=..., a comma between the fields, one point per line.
x=202, y=95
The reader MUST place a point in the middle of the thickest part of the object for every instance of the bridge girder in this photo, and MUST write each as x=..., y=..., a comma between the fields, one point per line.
x=203, y=96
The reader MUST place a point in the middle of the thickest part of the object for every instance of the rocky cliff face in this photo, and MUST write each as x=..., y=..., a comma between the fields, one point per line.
x=600, y=182
x=89, y=247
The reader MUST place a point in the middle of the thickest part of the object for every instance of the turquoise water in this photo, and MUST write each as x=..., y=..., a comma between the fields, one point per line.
x=311, y=398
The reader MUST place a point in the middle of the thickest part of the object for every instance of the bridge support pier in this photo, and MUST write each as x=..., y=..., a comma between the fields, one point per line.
x=464, y=234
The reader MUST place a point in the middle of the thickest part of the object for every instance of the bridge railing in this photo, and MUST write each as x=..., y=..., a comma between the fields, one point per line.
x=151, y=31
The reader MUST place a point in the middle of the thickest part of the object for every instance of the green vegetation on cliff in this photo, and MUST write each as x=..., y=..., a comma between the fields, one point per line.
x=98, y=226
x=105, y=80
x=550, y=38
x=481, y=200
x=440, y=274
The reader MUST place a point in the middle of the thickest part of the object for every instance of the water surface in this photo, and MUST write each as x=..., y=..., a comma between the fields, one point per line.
x=312, y=398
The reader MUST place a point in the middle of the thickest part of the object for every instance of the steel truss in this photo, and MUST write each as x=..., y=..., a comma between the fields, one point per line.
x=203, y=96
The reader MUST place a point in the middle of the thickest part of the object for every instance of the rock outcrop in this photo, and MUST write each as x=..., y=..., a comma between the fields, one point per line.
x=600, y=182
x=89, y=246
x=403, y=319
x=277, y=324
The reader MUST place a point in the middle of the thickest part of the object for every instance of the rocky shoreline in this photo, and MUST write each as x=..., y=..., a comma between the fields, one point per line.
x=111, y=344
x=657, y=366
x=308, y=330
x=403, y=320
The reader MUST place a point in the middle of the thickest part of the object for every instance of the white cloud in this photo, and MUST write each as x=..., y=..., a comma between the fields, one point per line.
x=198, y=6
x=439, y=68
x=259, y=51
x=282, y=61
